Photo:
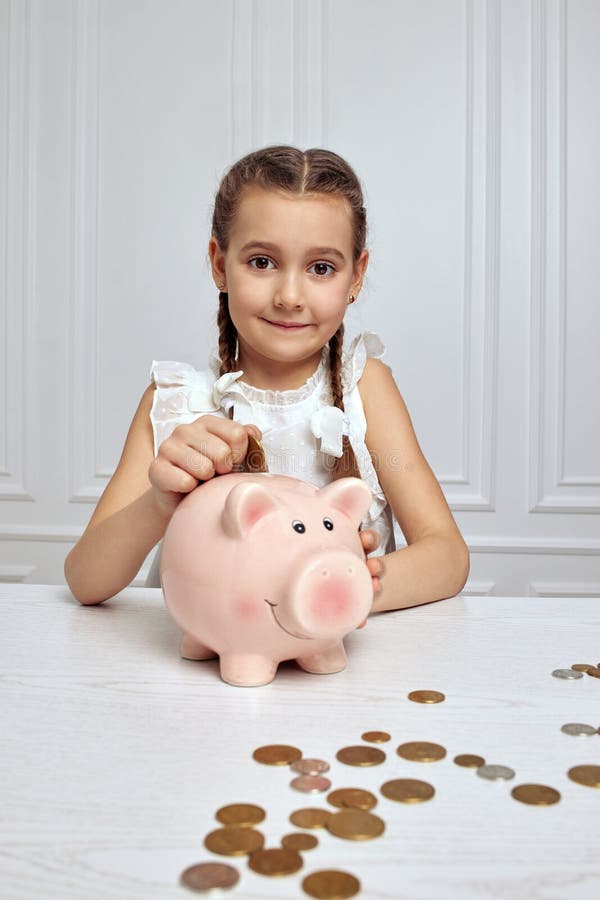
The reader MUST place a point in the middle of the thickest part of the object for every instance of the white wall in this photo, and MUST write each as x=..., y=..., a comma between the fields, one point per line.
x=475, y=128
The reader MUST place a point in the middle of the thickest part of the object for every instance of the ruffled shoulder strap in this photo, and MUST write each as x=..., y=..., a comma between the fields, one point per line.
x=354, y=359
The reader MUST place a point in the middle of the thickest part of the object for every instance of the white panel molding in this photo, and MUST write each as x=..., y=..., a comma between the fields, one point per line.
x=481, y=263
x=549, y=487
x=535, y=546
x=56, y=534
x=17, y=254
x=478, y=589
x=15, y=574
x=564, y=589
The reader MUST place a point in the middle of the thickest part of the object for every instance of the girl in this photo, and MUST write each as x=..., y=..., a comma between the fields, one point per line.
x=288, y=255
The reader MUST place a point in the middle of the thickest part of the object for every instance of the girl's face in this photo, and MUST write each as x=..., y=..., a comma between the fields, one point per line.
x=288, y=272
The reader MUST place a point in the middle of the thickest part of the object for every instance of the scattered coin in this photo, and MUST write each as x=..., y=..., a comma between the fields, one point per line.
x=310, y=766
x=407, y=790
x=242, y=814
x=206, y=876
x=277, y=755
x=587, y=775
x=310, y=818
x=567, y=674
x=275, y=862
x=355, y=825
x=310, y=784
x=360, y=756
x=331, y=884
x=233, y=841
x=426, y=696
x=536, y=794
x=469, y=760
x=496, y=773
x=352, y=798
x=594, y=671
x=299, y=841
x=582, y=667
x=421, y=751
x=375, y=737
x=578, y=729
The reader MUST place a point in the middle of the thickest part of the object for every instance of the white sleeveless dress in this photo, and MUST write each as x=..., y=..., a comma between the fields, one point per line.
x=301, y=430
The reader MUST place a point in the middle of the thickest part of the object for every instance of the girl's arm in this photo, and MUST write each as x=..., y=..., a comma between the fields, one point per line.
x=435, y=564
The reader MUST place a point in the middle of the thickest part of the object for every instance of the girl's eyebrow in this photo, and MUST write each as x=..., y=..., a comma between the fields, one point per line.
x=319, y=251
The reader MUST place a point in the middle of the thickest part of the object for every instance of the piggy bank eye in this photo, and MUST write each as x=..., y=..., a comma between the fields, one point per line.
x=298, y=526
x=328, y=524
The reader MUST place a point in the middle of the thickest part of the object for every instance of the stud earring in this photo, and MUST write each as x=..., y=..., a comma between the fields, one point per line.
x=351, y=298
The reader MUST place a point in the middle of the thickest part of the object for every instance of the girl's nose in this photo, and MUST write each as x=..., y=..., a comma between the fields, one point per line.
x=288, y=294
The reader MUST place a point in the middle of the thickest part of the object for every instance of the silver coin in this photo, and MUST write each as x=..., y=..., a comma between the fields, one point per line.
x=567, y=674
x=495, y=773
x=310, y=766
x=578, y=729
x=310, y=784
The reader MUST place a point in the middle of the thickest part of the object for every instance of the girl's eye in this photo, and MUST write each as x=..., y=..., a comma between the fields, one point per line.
x=321, y=268
x=262, y=262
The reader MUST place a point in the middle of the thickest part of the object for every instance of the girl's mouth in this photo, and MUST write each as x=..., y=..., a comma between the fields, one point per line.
x=287, y=326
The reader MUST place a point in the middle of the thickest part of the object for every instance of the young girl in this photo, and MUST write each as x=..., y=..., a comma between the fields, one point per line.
x=288, y=255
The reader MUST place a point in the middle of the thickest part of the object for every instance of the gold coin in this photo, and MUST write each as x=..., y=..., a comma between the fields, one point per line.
x=352, y=798
x=421, y=751
x=407, y=790
x=469, y=760
x=375, y=737
x=299, y=841
x=355, y=825
x=243, y=814
x=426, y=696
x=536, y=794
x=277, y=755
x=587, y=775
x=255, y=456
x=582, y=667
x=310, y=817
x=594, y=671
x=330, y=884
x=233, y=841
x=275, y=862
x=206, y=876
x=360, y=756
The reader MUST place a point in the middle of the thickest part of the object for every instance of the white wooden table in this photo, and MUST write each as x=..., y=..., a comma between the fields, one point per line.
x=116, y=753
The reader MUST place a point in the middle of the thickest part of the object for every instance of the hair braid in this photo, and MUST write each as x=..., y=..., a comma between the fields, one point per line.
x=346, y=465
x=227, y=336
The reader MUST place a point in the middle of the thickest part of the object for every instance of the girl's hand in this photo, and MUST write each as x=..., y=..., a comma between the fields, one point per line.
x=370, y=541
x=196, y=452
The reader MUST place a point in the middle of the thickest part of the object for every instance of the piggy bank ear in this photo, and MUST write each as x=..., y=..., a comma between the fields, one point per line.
x=246, y=504
x=350, y=495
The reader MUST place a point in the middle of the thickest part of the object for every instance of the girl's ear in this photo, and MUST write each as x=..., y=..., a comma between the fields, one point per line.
x=217, y=261
x=360, y=267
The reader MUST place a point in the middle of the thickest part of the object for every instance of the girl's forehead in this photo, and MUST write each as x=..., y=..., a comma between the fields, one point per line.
x=262, y=210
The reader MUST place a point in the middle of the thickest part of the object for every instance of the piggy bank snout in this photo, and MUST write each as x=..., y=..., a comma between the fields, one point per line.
x=331, y=595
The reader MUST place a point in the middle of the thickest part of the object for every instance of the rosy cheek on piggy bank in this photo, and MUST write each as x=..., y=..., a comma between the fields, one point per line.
x=248, y=608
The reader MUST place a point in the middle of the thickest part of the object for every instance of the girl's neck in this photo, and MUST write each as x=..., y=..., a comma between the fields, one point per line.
x=272, y=375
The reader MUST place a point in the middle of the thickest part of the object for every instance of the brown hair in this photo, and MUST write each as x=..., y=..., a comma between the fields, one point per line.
x=294, y=171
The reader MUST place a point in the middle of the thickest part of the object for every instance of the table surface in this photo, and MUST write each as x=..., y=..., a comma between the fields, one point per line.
x=116, y=753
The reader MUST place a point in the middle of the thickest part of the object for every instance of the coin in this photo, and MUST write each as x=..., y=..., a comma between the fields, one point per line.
x=275, y=862
x=242, y=814
x=310, y=784
x=536, y=794
x=299, y=841
x=233, y=841
x=582, y=667
x=587, y=775
x=469, y=760
x=310, y=766
x=352, y=798
x=255, y=456
x=567, y=674
x=426, y=696
x=407, y=790
x=576, y=728
x=360, y=756
x=375, y=737
x=277, y=755
x=495, y=773
x=421, y=751
x=330, y=884
x=310, y=817
x=206, y=876
x=594, y=671
x=355, y=825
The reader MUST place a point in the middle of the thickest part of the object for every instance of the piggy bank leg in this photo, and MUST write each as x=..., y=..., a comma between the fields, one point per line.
x=247, y=669
x=191, y=648
x=333, y=659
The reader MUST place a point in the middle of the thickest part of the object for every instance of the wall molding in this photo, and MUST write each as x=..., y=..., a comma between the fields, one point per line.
x=536, y=546
x=564, y=589
x=15, y=574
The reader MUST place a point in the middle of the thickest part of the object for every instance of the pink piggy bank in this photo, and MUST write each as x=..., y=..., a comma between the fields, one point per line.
x=258, y=568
